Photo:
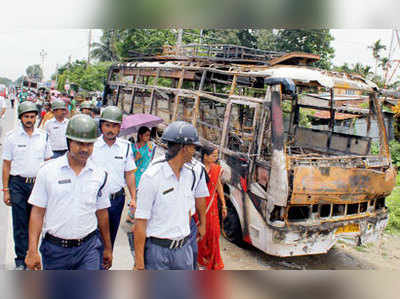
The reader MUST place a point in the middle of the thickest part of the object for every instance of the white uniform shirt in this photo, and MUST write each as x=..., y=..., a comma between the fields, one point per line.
x=200, y=179
x=26, y=153
x=115, y=160
x=166, y=202
x=70, y=201
x=56, y=131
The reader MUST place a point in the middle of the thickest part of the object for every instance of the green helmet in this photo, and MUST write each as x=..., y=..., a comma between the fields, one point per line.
x=86, y=105
x=58, y=104
x=112, y=114
x=82, y=128
x=27, y=106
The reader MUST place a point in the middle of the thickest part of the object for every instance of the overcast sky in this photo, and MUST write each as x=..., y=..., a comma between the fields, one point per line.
x=21, y=48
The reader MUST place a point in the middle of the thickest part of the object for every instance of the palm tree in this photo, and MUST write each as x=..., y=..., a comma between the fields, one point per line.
x=384, y=63
x=367, y=71
x=377, y=48
x=105, y=49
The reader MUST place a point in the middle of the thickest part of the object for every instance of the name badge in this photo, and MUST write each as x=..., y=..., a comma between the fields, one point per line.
x=67, y=181
x=168, y=191
x=55, y=128
x=21, y=145
x=118, y=157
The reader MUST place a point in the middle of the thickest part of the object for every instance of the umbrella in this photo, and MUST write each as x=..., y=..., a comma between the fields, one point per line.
x=132, y=123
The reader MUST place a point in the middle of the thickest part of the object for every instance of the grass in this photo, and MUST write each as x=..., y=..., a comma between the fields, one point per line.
x=393, y=204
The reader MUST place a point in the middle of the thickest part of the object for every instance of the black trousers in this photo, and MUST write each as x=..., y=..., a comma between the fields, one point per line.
x=21, y=210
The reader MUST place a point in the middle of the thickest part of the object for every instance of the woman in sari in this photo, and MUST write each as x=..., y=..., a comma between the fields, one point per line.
x=209, y=250
x=143, y=152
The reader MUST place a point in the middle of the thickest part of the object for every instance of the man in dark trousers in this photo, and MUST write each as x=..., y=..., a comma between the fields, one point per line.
x=25, y=149
x=115, y=156
x=71, y=198
x=165, y=200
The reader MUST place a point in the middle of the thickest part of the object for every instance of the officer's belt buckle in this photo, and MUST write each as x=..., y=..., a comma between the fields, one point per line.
x=176, y=244
x=29, y=180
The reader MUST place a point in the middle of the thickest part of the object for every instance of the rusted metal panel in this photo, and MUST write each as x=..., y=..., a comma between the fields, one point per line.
x=175, y=74
x=335, y=184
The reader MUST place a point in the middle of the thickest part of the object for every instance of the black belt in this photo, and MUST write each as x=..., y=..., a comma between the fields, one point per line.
x=171, y=244
x=117, y=194
x=68, y=243
x=59, y=152
x=24, y=179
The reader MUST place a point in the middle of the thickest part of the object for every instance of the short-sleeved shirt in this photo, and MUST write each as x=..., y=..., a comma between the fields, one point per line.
x=200, y=184
x=56, y=131
x=116, y=160
x=167, y=202
x=26, y=153
x=70, y=201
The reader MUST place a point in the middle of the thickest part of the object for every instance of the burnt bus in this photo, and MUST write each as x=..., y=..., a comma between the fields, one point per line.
x=291, y=189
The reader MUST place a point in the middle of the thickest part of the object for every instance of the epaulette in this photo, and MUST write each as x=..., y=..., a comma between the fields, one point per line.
x=155, y=167
x=196, y=166
x=124, y=141
x=48, y=162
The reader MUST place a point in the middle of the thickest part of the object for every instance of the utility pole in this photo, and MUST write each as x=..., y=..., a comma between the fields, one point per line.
x=392, y=66
x=43, y=55
x=89, y=46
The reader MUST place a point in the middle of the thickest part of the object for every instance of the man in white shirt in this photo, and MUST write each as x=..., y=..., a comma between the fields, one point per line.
x=56, y=128
x=115, y=155
x=70, y=200
x=25, y=149
x=165, y=199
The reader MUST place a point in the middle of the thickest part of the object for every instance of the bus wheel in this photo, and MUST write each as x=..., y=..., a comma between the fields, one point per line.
x=231, y=229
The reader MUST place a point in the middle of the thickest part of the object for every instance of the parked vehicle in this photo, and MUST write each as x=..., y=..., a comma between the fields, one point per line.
x=291, y=189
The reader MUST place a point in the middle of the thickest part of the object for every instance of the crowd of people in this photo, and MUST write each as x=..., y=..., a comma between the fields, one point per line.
x=66, y=178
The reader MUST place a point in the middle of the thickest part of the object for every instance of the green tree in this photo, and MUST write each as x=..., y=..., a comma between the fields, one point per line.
x=240, y=37
x=5, y=81
x=376, y=49
x=358, y=68
x=82, y=76
x=141, y=40
x=34, y=72
x=315, y=41
x=105, y=50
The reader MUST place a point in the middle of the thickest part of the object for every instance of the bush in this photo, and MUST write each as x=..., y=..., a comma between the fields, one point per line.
x=393, y=204
x=395, y=152
x=393, y=201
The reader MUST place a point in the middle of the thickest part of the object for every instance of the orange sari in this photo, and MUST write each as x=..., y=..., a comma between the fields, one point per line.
x=209, y=251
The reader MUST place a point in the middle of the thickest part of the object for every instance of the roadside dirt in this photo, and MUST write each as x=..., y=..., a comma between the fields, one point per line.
x=382, y=255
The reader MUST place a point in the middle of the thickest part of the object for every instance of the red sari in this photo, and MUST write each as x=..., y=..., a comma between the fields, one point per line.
x=209, y=251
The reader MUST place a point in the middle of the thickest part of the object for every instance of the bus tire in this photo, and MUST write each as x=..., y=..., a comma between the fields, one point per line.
x=231, y=228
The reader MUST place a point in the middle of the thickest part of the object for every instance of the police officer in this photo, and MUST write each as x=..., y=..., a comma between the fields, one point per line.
x=165, y=198
x=25, y=149
x=86, y=108
x=71, y=198
x=115, y=155
x=56, y=128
